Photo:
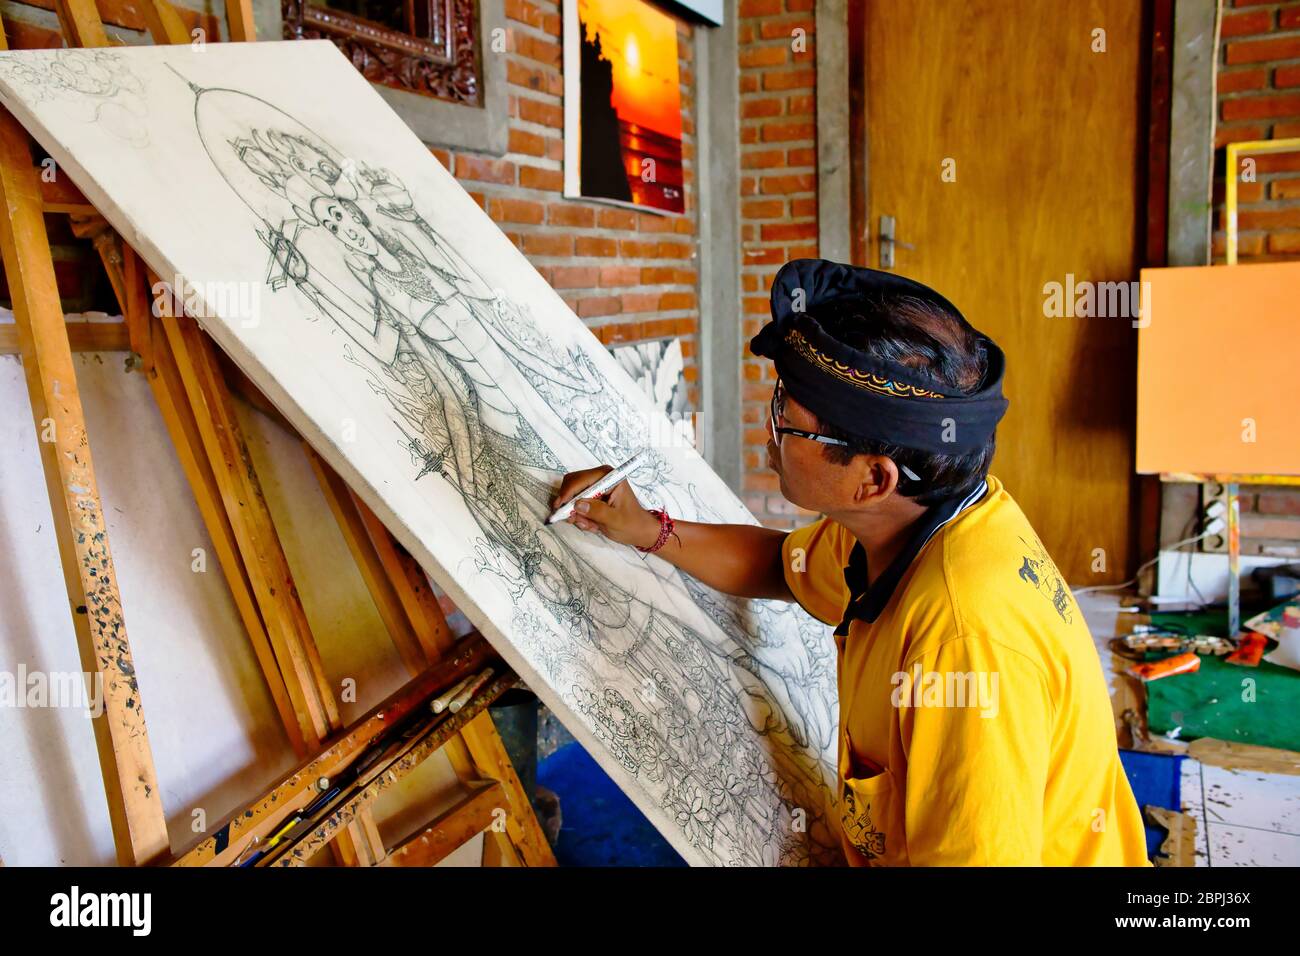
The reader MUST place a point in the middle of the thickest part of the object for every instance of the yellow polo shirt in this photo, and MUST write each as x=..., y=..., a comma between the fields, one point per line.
x=975, y=726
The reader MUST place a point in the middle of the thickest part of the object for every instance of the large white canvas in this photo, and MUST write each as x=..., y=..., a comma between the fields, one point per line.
x=365, y=292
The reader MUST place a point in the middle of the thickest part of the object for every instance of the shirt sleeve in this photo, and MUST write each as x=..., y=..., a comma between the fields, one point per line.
x=813, y=560
x=978, y=749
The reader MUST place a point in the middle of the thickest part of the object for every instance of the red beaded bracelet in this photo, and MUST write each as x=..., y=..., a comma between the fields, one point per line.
x=666, y=525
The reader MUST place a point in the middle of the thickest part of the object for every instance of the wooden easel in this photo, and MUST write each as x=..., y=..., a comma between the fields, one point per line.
x=191, y=390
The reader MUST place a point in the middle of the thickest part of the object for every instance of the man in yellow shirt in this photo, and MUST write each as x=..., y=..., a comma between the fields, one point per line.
x=975, y=727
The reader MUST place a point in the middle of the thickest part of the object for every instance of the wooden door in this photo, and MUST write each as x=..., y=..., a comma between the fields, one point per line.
x=1006, y=144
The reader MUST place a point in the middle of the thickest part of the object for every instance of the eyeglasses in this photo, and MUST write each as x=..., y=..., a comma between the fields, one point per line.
x=778, y=415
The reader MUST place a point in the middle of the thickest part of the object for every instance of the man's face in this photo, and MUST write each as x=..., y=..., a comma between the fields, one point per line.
x=808, y=479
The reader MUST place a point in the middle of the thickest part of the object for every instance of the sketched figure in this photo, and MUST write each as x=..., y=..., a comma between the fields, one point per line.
x=438, y=346
x=95, y=84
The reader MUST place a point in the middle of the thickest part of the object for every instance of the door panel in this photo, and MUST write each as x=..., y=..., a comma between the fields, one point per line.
x=1042, y=135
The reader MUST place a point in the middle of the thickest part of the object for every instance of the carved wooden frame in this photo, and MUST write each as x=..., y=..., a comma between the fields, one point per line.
x=446, y=65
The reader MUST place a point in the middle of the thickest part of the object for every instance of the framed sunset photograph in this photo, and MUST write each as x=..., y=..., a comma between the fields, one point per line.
x=622, y=105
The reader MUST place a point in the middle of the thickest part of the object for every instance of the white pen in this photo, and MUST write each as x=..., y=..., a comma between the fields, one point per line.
x=604, y=483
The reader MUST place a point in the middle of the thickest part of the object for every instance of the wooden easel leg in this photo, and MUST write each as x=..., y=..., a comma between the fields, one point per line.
x=418, y=627
x=135, y=807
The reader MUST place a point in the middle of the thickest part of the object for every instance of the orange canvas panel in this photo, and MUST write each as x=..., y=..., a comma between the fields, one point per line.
x=1219, y=370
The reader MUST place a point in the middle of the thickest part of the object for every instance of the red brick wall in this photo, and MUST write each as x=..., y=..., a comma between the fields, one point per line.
x=629, y=275
x=778, y=205
x=1259, y=98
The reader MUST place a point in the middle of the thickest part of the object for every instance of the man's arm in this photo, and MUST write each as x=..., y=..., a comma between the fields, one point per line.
x=740, y=559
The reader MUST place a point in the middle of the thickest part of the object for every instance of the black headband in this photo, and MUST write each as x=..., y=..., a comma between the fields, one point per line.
x=872, y=398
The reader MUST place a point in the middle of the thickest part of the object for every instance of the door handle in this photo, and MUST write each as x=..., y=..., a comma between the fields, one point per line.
x=888, y=241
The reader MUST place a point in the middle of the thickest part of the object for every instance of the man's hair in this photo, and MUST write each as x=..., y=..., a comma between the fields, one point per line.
x=944, y=351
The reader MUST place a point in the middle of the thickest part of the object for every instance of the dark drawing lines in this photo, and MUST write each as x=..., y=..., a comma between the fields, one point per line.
x=728, y=729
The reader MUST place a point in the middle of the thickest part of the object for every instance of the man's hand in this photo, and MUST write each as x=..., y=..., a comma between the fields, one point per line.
x=617, y=514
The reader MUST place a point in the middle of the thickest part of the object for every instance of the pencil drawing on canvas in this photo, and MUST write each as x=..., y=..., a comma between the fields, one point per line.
x=723, y=710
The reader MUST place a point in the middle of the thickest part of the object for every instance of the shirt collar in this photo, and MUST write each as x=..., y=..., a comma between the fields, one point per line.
x=866, y=602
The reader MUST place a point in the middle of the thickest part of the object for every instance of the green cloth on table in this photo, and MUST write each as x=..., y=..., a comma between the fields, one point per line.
x=1209, y=704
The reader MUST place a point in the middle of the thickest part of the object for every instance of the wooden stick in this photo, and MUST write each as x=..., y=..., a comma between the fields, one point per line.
x=328, y=829
x=264, y=814
x=449, y=831
x=130, y=783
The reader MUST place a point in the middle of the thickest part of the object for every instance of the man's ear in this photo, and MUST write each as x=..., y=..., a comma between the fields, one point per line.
x=878, y=478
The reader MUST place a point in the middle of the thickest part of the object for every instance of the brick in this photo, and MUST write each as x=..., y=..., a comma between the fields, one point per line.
x=759, y=8
x=801, y=104
x=789, y=80
x=1286, y=76
x=536, y=244
x=530, y=77
x=622, y=332
x=1289, y=19
x=483, y=169
x=567, y=214
x=758, y=257
x=1246, y=192
x=762, y=159
x=801, y=156
x=785, y=231
x=1261, y=107
x=1261, y=526
x=1279, y=502
x=534, y=177
x=649, y=222
x=1284, y=243
x=762, y=209
x=801, y=183
x=616, y=219
x=785, y=28
x=530, y=144
x=678, y=250
x=443, y=156
x=635, y=249
x=677, y=301
x=541, y=112
x=516, y=210
x=1268, y=219
x=1260, y=51
x=595, y=246
x=1278, y=162
x=1246, y=24
x=545, y=52
x=1250, y=244
x=1223, y=135
x=599, y=305
x=1239, y=80
x=803, y=209
x=1285, y=189
x=751, y=57
x=785, y=132
x=620, y=276
x=640, y=302
x=752, y=108
x=574, y=277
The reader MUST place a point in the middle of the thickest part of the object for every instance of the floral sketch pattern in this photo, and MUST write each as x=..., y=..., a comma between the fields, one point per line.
x=722, y=711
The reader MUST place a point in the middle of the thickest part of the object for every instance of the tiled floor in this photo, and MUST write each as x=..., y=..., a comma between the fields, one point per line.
x=1243, y=817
